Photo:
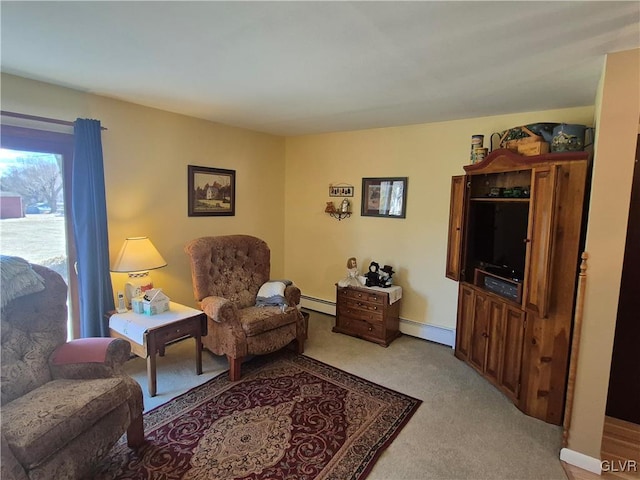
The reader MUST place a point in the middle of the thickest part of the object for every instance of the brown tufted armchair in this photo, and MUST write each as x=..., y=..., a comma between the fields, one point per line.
x=227, y=273
x=64, y=405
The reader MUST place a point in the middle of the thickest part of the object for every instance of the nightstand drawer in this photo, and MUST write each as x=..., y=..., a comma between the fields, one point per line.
x=359, y=295
x=360, y=313
x=359, y=327
x=189, y=327
x=362, y=305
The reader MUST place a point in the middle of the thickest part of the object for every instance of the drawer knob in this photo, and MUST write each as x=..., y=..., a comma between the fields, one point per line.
x=370, y=329
x=375, y=308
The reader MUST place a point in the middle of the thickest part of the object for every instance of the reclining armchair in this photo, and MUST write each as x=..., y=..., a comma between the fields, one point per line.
x=64, y=404
x=228, y=273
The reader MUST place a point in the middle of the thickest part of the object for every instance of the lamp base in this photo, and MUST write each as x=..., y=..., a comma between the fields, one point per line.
x=137, y=284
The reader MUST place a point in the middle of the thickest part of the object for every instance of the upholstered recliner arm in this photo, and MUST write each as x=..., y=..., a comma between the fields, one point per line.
x=219, y=309
x=292, y=294
x=224, y=324
x=86, y=358
x=10, y=468
x=89, y=358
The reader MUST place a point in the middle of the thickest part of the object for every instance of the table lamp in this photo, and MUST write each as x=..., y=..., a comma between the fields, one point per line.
x=137, y=256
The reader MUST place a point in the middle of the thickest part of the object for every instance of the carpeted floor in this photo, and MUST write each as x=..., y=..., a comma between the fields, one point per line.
x=289, y=417
x=464, y=429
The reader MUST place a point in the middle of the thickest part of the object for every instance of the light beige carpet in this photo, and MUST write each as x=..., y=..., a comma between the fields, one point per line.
x=464, y=429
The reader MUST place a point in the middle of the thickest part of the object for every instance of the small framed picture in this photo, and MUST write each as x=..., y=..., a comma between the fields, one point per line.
x=342, y=190
x=211, y=191
x=384, y=197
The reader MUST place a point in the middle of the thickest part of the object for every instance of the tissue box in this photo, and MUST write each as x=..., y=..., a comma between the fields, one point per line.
x=136, y=304
x=154, y=302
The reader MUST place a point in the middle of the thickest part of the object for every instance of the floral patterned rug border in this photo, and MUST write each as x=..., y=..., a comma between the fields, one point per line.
x=289, y=416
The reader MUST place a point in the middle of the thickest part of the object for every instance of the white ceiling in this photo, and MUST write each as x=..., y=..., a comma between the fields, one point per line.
x=292, y=68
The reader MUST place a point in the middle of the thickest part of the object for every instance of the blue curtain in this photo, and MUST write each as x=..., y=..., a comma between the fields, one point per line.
x=89, y=213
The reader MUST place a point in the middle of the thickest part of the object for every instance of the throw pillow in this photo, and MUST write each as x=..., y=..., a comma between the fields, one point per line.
x=17, y=279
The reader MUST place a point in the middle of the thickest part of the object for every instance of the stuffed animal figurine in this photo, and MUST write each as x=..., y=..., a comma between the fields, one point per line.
x=373, y=276
x=386, y=274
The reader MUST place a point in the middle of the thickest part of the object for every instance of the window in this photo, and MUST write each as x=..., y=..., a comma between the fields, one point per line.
x=35, y=173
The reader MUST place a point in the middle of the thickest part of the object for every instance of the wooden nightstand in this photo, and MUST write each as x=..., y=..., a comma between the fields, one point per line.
x=371, y=313
x=149, y=334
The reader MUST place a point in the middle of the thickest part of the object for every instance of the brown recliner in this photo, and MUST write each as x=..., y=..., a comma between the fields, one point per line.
x=227, y=273
x=64, y=404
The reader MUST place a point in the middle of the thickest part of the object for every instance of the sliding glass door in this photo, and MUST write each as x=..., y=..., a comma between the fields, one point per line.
x=35, y=185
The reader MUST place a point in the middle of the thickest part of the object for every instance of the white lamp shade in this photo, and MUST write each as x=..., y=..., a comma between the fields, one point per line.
x=137, y=255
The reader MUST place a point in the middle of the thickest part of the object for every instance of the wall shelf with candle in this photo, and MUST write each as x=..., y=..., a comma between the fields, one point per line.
x=342, y=211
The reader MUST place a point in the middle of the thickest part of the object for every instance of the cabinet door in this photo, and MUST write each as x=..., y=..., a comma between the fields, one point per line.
x=540, y=239
x=513, y=338
x=464, y=323
x=496, y=310
x=456, y=211
x=479, y=328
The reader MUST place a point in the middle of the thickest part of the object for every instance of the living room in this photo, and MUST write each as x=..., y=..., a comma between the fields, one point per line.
x=282, y=187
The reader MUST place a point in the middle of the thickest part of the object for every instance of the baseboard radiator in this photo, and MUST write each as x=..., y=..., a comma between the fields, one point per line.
x=425, y=331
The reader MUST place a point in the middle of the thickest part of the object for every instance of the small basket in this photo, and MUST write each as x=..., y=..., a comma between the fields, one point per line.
x=514, y=137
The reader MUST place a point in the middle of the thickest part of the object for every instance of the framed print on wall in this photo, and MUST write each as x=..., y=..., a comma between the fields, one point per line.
x=212, y=191
x=384, y=197
x=341, y=190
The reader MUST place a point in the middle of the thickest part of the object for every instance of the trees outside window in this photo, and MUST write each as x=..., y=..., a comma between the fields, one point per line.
x=35, y=176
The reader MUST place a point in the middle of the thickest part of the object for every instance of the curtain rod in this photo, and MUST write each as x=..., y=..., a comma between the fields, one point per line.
x=40, y=119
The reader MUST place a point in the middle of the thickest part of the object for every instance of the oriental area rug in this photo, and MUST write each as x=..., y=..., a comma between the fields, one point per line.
x=289, y=417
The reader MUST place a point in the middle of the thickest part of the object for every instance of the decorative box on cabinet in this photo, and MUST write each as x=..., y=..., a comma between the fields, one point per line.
x=514, y=324
x=371, y=313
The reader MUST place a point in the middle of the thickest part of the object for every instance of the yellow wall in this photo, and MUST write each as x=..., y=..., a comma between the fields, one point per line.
x=146, y=153
x=617, y=130
x=429, y=155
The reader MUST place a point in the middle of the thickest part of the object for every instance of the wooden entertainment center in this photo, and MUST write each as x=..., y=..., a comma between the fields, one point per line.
x=515, y=233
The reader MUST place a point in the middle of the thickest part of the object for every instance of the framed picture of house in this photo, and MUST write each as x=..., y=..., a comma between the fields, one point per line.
x=212, y=191
x=384, y=197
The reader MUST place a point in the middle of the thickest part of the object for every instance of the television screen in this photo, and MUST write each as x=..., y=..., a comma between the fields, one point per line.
x=496, y=237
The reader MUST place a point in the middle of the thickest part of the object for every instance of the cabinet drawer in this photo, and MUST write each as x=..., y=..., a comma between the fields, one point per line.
x=373, y=297
x=361, y=305
x=359, y=327
x=173, y=332
x=361, y=314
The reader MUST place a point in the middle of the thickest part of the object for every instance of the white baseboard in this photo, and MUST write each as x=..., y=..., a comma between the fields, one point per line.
x=581, y=460
x=433, y=333
x=318, y=305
